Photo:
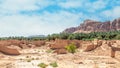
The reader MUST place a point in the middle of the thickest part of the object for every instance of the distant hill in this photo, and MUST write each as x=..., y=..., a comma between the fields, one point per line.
x=95, y=26
x=36, y=36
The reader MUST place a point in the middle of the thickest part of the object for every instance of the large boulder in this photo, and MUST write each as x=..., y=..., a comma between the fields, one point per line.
x=8, y=51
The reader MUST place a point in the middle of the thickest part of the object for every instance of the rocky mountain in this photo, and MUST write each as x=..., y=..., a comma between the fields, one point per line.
x=95, y=26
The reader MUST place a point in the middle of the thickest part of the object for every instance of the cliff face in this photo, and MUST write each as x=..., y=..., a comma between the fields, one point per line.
x=95, y=26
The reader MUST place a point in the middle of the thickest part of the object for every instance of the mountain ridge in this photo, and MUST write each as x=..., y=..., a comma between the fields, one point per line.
x=95, y=26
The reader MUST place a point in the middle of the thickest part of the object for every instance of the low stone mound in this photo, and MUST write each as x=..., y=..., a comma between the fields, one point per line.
x=9, y=51
x=38, y=43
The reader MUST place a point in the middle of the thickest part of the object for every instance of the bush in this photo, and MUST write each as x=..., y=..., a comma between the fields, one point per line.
x=42, y=65
x=118, y=37
x=29, y=60
x=54, y=64
x=49, y=51
x=71, y=48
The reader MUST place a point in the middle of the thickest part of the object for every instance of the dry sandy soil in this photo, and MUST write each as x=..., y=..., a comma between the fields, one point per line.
x=31, y=57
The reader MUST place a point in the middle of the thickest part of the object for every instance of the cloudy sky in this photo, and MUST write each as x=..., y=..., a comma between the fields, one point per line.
x=35, y=17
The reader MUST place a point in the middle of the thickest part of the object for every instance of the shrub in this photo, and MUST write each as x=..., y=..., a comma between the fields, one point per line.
x=28, y=60
x=49, y=51
x=27, y=56
x=71, y=48
x=42, y=65
x=54, y=64
x=118, y=37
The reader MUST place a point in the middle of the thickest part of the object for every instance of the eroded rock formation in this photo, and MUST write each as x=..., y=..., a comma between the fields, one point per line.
x=59, y=45
x=11, y=47
x=9, y=51
x=95, y=26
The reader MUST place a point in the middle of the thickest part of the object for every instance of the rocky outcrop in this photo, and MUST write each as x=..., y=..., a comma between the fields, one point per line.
x=10, y=47
x=70, y=30
x=59, y=45
x=9, y=51
x=95, y=26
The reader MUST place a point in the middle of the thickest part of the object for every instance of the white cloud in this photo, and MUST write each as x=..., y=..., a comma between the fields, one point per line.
x=17, y=25
x=100, y=4
x=13, y=23
x=83, y=4
x=94, y=6
x=112, y=13
x=15, y=6
x=71, y=4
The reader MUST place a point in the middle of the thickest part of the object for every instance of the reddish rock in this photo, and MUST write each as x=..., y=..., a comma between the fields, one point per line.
x=60, y=51
x=60, y=44
x=76, y=42
x=95, y=26
x=23, y=46
x=89, y=47
x=38, y=43
x=9, y=51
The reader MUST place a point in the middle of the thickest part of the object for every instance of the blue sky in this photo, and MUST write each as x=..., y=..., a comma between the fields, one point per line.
x=34, y=17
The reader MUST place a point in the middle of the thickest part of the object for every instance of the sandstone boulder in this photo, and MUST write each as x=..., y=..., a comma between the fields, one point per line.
x=9, y=51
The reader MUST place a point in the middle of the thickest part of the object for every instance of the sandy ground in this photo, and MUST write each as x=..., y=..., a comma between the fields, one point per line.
x=30, y=58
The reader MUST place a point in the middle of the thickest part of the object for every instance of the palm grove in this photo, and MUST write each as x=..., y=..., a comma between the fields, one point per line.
x=112, y=35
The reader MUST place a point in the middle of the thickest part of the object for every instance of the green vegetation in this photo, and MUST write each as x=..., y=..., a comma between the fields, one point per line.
x=71, y=48
x=49, y=51
x=29, y=60
x=112, y=35
x=54, y=64
x=42, y=65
